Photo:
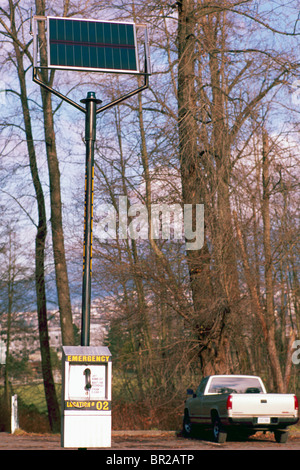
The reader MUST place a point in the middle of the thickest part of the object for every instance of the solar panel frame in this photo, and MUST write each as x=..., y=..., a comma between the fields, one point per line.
x=115, y=56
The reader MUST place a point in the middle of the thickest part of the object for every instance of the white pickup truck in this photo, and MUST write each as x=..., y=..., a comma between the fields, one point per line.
x=239, y=402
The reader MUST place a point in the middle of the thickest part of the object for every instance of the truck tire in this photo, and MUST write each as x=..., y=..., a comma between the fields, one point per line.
x=219, y=434
x=187, y=425
x=281, y=436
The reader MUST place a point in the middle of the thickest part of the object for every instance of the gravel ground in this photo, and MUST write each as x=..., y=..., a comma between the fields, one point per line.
x=157, y=441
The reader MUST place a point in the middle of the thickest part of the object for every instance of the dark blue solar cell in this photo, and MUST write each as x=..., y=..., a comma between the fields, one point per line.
x=69, y=54
x=100, y=56
x=84, y=32
x=107, y=33
x=99, y=33
x=116, y=58
x=62, y=58
x=69, y=30
x=92, y=33
x=130, y=36
x=85, y=57
x=125, y=58
x=122, y=34
x=52, y=29
x=53, y=54
x=77, y=56
x=76, y=31
x=108, y=58
x=91, y=44
x=115, y=34
x=93, y=56
x=60, y=25
x=131, y=59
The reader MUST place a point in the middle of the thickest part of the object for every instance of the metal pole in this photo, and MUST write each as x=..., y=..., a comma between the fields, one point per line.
x=90, y=137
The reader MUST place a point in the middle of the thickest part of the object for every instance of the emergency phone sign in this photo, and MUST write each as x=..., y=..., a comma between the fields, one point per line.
x=86, y=396
x=93, y=378
x=87, y=358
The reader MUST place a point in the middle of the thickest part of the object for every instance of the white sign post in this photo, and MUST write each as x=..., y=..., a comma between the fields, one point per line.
x=2, y=352
x=14, y=414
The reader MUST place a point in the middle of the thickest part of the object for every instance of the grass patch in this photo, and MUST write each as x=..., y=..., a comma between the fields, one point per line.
x=34, y=395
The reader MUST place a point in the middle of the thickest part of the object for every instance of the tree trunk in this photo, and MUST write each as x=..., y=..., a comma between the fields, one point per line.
x=198, y=260
x=49, y=386
x=211, y=305
x=268, y=265
x=62, y=282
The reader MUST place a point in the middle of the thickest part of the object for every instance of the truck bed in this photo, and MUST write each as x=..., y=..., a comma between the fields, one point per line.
x=262, y=404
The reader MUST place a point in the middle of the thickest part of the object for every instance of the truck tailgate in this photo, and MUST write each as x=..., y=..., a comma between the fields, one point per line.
x=263, y=404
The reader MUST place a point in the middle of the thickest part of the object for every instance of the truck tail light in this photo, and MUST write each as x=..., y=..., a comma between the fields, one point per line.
x=296, y=403
x=229, y=403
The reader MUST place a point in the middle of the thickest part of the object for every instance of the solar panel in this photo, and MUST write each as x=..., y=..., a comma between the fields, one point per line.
x=92, y=45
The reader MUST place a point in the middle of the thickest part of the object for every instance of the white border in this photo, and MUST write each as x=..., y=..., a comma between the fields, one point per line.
x=92, y=69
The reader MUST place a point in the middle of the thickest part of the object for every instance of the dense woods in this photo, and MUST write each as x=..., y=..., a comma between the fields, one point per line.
x=218, y=127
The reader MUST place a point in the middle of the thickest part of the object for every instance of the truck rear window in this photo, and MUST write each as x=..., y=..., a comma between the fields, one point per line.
x=234, y=385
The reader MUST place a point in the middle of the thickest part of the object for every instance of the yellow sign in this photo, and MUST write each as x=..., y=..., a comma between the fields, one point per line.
x=100, y=405
x=88, y=358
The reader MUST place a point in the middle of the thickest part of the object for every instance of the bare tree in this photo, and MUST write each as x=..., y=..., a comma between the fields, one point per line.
x=55, y=192
x=211, y=116
x=50, y=393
